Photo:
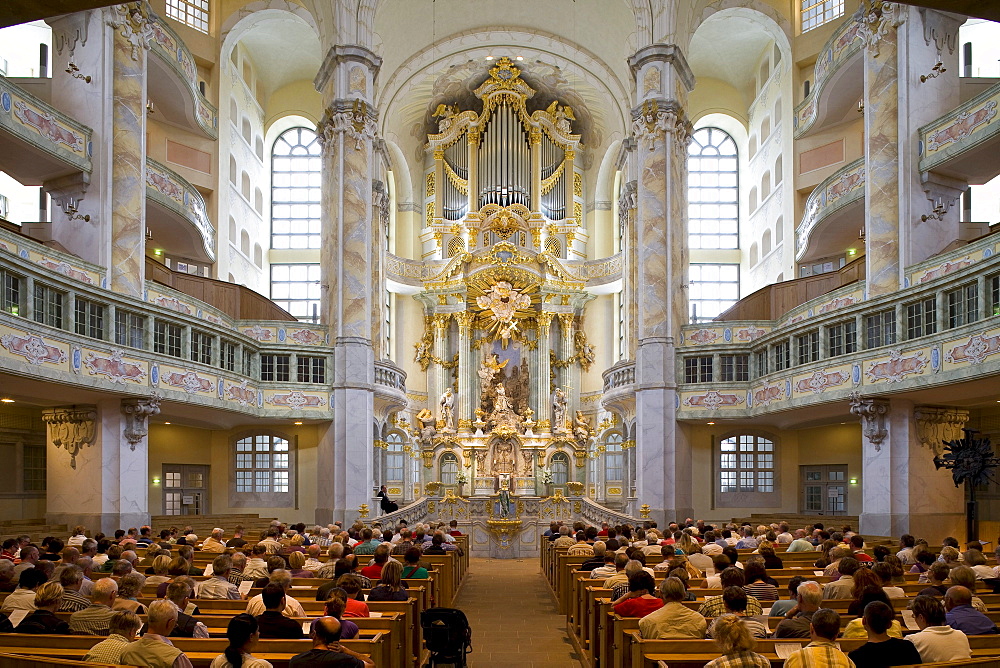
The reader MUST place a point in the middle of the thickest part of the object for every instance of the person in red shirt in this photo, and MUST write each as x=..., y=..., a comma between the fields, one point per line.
x=857, y=543
x=604, y=529
x=453, y=528
x=9, y=551
x=374, y=571
x=351, y=584
x=638, y=602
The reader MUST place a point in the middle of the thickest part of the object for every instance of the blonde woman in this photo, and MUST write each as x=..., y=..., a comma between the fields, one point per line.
x=161, y=568
x=297, y=562
x=734, y=640
x=390, y=586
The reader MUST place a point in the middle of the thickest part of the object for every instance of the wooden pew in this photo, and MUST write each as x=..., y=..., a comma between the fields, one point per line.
x=24, y=661
x=201, y=652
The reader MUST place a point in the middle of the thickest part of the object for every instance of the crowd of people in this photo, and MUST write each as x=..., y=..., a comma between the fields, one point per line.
x=61, y=576
x=944, y=613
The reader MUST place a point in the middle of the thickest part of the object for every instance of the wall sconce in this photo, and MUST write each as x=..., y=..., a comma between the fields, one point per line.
x=149, y=107
x=853, y=481
x=936, y=71
x=937, y=213
x=74, y=72
x=71, y=213
x=156, y=481
x=861, y=106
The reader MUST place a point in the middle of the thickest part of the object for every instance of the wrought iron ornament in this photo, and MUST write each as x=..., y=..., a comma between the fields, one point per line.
x=969, y=459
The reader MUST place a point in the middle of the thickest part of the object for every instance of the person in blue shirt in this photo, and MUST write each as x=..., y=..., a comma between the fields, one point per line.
x=962, y=616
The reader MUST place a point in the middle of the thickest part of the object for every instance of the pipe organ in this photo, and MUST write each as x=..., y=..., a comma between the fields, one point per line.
x=504, y=157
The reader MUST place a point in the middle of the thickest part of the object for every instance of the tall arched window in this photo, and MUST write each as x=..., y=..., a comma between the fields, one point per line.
x=296, y=173
x=449, y=469
x=560, y=468
x=713, y=190
x=614, y=470
x=394, y=458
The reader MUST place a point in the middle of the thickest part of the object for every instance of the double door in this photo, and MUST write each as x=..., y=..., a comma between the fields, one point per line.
x=824, y=489
x=185, y=489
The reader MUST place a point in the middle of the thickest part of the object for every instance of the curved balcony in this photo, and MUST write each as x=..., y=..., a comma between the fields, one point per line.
x=390, y=388
x=37, y=142
x=176, y=215
x=173, y=82
x=837, y=82
x=404, y=271
x=834, y=214
x=963, y=143
x=619, y=388
x=603, y=272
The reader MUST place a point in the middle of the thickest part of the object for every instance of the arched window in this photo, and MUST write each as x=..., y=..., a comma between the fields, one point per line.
x=765, y=243
x=449, y=469
x=778, y=164
x=614, y=469
x=245, y=186
x=752, y=146
x=765, y=186
x=234, y=112
x=258, y=147
x=264, y=467
x=779, y=230
x=245, y=130
x=233, y=170
x=258, y=255
x=394, y=458
x=233, y=230
x=765, y=130
x=713, y=190
x=747, y=470
x=245, y=242
x=754, y=255
x=258, y=201
x=777, y=112
x=753, y=199
x=296, y=173
x=559, y=464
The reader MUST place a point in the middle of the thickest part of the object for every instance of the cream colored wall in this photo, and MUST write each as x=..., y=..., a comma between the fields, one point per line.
x=299, y=98
x=831, y=444
x=176, y=444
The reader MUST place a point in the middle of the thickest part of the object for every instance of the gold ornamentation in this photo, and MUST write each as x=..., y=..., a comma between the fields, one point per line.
x=430, y=216
x=544, y=319
x=577, y=507
x=430, y=185
x=577, y=184
x=431, y=505
x=644, y=510
x=550, y=181
x=506, y=254
x=460, y=184
x=575, y=487
x=614, y=490
x=566, y=320
x=503, y=301
x=363, y=510
x=578, y=214
x=428, y=456
x=439, y=154
x=505, y=531
x=628, y=444
x=433, y=487
x=464, y=320
x=380, y=444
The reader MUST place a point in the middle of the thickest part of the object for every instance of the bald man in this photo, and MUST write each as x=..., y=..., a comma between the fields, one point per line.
x=327, y=650
x=962, y=616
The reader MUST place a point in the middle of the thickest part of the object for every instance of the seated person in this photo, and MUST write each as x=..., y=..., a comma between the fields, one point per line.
x=390, y=586
x=674, y=619
x=734, y=639
x=48, y=598
x=356, y=607
x=936, y=574
x=821, y=651
x=335, y=607
x=735, y=600
x=639, y=601
x=297, y=563
x=272, y=623
x=797, y=621
x=962, y=616
x=781, y=607
x=714, y=606
x=881, y=648
x=413, y=570
x=936, y=641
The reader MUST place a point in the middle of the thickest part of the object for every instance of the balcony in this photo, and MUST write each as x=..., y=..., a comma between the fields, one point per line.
x=963, y=143
x=177, y=216
x=390, y=389
x=619, y=388
x=838, y=77
x=833, y=215
x=173, y=83
x=38, y=143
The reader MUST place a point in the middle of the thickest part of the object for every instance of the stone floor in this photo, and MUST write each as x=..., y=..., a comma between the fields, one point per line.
x=513, y=615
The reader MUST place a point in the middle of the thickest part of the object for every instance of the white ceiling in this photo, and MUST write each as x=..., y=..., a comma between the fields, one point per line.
x=727, y=47
x=283, y=50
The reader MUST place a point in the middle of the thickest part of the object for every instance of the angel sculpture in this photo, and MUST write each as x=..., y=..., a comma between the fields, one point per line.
x=445, y=113
x=503, y=301
x=561, y=116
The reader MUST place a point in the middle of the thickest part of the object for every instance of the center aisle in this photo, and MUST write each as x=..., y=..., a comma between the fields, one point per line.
x=514, y=618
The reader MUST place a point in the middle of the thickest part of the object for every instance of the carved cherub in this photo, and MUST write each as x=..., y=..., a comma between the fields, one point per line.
x=445, y=113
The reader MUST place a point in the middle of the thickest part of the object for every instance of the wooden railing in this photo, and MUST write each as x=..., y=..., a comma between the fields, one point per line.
x=236, y=301
x=773, y=301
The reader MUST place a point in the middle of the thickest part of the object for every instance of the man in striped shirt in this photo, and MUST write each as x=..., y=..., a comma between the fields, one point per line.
x=123, y=627
x=821, y=652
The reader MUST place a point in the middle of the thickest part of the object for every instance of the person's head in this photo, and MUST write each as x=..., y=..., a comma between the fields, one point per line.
x=273, y=597
x=964, y=576
x=848, y=566
x=793, y=585
x=350, y=583
x=641, y=581
x=186, y=551
x=672, y=590
x=938, y=572
x=274, y=562
x=928, y=611
x=732, y=635
x=733, y=555
x=381, y=554
x=124, y=623
x=105, y=592
x=412, y=556
x=162, y=616
x=31, y=578
x=732, y=577
x=884, y=573
x=239, y=561
x=865, y=577
x=754, y=571
x=29, y=554
x=906, y=540
x=297, y=560
x=69, y=555
x=121, y=568
x=221, y=565
x=925, y=556
x=809, y=595
x=71, y=577
x=258, y=551
x=950, y=541
x=366, y=534
x=326, y=631
x=735, y=599
x=48, y=596
x=391, y=575
x=282, y=578
x=242, y=634
x=217, y=534
x=178, y=593
x=825, y=624
x=974, y=558
x=956, y=596
x=878, y=617
x=131, y=584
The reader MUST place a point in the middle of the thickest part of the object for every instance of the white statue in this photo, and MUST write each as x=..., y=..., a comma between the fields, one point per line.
x=558, y=411
x=447, y=404
x=500, y=402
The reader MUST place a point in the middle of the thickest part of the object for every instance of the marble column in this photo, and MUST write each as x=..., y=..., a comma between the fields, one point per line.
x=902, y=492
x=97, y=471
x=877, y=32
x=347, y=131
x=464, y=404
x=130, y=43
x=662, y=132
x=541, y=379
